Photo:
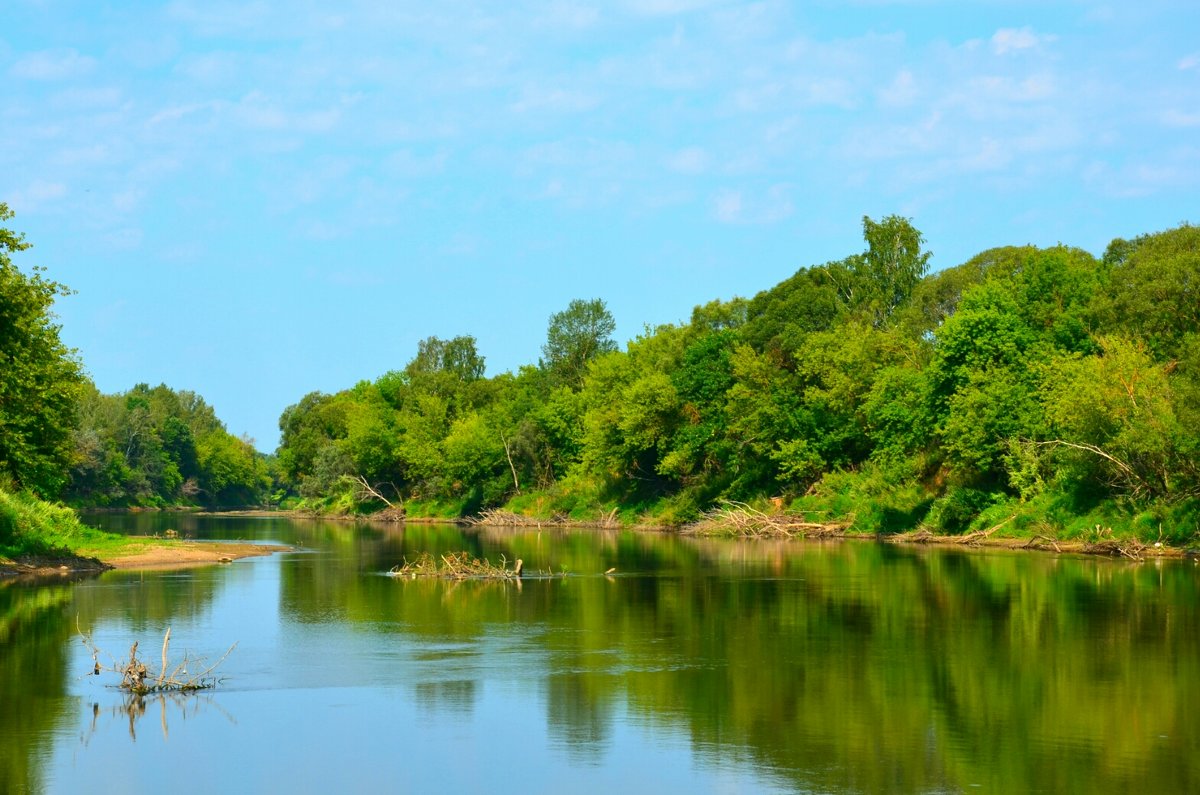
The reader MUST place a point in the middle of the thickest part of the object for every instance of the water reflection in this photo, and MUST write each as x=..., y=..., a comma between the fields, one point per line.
x=132, y=709
x=844, y=667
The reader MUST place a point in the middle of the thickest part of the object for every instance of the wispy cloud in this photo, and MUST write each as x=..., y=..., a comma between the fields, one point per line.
x=1009, y=40
x=689, y=160
x=739, y=206
x=52, y=65
x=37, y=195
x=900, y=92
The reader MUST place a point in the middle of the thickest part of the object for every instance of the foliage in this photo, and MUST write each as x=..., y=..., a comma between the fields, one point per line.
x=32, y=527
x=155, y=446
x=1022, y=380
x=40, y=378
x=575, y=337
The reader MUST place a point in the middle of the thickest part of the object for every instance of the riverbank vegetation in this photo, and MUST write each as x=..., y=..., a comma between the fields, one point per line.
x=61, y=439
x=1044, y=390
x=159, y=447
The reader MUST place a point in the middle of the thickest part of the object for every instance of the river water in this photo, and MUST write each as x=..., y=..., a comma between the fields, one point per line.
x=697, y=666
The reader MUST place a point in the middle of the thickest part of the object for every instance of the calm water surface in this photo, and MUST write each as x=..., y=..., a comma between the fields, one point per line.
x=698, y=666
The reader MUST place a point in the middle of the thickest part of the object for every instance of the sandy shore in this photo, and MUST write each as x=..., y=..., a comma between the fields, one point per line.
x=192, y=553
x=167, y=555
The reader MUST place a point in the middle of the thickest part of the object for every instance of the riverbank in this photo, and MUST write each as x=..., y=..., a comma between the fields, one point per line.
x=39, y=538
x=1103, y=542
x=144, y=554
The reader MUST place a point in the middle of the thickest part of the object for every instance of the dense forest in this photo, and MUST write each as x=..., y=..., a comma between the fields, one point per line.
x=60, y=438
x=1039, y=386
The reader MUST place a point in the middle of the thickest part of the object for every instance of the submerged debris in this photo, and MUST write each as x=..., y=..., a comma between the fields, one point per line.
x=457, y=566
x=139, y=678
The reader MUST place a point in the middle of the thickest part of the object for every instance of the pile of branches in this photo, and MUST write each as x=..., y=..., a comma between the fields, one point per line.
x=739, y=519
x=495, y=517
x=457, y=566
x=500, y=518
x=140, y=678
x=1103, y=543
x=924, y=535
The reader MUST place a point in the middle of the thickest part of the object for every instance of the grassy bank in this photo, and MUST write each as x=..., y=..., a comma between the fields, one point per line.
x=871, y=502
x=31, y=529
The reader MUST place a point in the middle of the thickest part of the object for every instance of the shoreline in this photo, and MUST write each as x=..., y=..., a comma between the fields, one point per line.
x=159, y=556
x=1130, y=547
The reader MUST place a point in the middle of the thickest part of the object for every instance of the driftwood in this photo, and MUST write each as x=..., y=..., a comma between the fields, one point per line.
x=499, y=518
x=1102, y=543
x=140, y=678
x=739, y=519
x=457, y=566
x=495, y=517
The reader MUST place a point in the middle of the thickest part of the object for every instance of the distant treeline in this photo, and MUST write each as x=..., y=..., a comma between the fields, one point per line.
x=1041, y=383
x=1038, y=386
x=159, y=447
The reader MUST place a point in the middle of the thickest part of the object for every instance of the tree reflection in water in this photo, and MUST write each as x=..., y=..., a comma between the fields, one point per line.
x=133, y=709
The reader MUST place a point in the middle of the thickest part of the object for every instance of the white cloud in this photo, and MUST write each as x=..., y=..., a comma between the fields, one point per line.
x=555, y=100
x=690, y=160
x=1178, y=118
x=407, y=163
x=1190, y=61
x=902, y=91
x=661, y=8
x=1006, y=40
x=214, y=18
x=256, y=111
x=568, y=16
x=52, y=65
x=727, y=206
x=735, y=207
x=178, y=112
x=38, y=194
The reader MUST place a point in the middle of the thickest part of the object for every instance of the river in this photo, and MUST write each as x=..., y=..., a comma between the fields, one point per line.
x=696, y=666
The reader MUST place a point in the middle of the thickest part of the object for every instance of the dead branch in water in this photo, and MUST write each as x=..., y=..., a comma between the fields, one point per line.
x=457, y=566
x=1103, y=543
x=140, y=679
x=739, y=519
x=364, y=491
x=500, y=518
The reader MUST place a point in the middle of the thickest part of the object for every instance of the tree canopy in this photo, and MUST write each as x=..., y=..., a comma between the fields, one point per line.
x=1037, y=380
x=40, y=377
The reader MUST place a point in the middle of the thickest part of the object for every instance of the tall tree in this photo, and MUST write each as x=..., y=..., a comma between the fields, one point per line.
x=575, y=337
x=40, y=377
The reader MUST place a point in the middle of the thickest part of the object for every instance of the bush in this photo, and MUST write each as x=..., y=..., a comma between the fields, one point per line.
x=954, y=512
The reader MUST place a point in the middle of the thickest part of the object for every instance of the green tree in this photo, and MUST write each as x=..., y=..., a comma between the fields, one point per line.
x=892, y=266
x=1155, y=292
x=575, y=337
x=40, y=378
x=455, y=359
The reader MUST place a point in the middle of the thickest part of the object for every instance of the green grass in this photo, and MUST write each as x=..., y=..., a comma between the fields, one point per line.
x=32, y=528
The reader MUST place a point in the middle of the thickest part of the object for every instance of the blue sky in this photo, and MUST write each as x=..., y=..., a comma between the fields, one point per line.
x=260, y=199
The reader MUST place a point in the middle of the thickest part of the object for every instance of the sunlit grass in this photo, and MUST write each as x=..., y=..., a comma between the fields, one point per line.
x=30, y=527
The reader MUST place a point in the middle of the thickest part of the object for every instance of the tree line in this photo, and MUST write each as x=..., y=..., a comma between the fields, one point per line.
x=60, y=438
x=1042, y=384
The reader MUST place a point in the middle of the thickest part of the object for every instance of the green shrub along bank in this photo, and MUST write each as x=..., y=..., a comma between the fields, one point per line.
x=33, y=528
x=1042, y=389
